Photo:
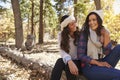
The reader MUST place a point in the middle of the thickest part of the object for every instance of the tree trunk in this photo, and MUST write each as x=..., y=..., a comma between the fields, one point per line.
x=97, y=4
x=28, y=25
x=18, y=24
x=41, y=23
x=32, y=17
x=75, y=9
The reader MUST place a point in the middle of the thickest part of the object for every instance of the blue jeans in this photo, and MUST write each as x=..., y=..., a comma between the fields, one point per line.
x=93, y=72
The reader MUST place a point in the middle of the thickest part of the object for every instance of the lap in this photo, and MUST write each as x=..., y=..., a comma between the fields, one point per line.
x=100, y=73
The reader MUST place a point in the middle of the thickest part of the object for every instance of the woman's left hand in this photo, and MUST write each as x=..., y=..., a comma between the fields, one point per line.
x=72, y=67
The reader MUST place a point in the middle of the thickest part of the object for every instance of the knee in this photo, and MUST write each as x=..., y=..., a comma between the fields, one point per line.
x=60, y=61
x=117, y=47
x=59, y=65
x=116, y=50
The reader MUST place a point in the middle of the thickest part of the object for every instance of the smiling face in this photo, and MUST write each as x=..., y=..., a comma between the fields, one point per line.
x=93, y=23
x=72, y=26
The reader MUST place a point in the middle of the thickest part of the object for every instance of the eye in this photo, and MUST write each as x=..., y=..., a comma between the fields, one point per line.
x=89, y=20
x=94, y=19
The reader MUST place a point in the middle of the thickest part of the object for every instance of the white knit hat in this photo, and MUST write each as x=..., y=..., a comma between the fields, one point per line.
x=99, y=12
x=67, y=21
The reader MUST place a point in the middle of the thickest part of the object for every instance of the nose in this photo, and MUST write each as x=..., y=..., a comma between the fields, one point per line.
x=75, y=24
x=91, y=23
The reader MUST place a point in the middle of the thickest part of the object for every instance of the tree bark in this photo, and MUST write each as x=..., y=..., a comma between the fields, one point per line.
x=75, y=9
x=41, y=23
x=97, y=4
x=32, y=17
x=18, y=24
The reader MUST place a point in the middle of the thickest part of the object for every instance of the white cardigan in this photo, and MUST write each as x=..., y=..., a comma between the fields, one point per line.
x=72, y=55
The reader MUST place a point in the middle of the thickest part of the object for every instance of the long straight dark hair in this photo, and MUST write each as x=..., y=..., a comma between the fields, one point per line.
x=85, y=27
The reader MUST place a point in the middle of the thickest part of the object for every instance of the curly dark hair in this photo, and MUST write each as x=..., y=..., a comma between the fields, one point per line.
x=64, y=45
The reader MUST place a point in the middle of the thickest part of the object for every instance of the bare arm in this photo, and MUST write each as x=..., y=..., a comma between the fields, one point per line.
x=106, y=37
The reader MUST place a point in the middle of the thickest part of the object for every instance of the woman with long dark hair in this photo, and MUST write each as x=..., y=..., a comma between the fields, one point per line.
x=95, y=40
x=68, y=38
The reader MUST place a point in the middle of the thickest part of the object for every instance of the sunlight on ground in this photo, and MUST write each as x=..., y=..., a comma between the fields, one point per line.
x=118, y=65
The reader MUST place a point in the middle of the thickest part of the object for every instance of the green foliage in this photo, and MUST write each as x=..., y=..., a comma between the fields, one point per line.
x=50, y=16
x=80, y=7
x=7, y=29
x=26, y=13
x=61, y=7
x=3, y=1
x=25, y=8
x=114, y=27
x=2, y=9
x=111, y=20
x=80, y=12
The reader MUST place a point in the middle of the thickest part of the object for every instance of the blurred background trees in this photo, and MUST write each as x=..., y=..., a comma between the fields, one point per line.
x=40, y=18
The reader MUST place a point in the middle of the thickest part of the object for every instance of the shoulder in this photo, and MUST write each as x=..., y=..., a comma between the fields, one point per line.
x=105, y=32
x=59, y=36
x=59, y=33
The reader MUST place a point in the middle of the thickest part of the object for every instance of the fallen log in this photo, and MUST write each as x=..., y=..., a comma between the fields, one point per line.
x=36, y=66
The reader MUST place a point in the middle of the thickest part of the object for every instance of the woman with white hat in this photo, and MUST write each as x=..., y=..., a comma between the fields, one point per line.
x=68, y=38
x=94, y=40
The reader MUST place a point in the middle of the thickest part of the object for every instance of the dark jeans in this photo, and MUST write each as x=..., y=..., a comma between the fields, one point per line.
x=93, y=72
x=60, y=66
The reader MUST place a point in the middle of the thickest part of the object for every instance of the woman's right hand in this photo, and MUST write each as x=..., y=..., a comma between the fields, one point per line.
x=102, y=64
x=72, y=67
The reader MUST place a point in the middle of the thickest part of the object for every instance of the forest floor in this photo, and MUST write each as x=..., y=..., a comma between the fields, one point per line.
x=11, y=71
x=46, y=54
